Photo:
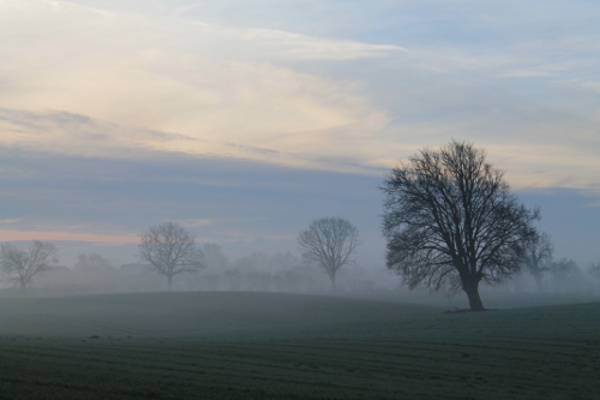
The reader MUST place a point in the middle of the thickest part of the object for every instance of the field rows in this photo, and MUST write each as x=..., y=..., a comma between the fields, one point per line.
x=549, y=353
x=311, y=369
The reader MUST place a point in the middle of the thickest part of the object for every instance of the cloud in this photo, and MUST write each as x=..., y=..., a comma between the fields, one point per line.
x=208, y=89
x=8, y=235
x=194, y=223
x=109, y=79
x=593, y=86
x=281, y=44
x=74, y=134
x=65, y=5
x=527, y=74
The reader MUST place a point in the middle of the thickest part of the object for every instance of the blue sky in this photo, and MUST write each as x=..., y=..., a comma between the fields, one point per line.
x=243, y=121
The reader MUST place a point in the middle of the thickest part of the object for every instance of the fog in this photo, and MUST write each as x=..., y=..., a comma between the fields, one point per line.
x=286, y=272
x=257, y=271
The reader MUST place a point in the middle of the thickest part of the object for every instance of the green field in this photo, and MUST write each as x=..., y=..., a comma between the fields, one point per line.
x=233, y=345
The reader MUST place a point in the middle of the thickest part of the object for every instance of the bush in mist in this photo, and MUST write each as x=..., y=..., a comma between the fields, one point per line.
x=594, y=271
x=280, y=272
x=96, y=272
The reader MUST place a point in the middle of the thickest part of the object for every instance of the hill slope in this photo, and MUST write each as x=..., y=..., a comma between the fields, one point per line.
x=271, y=346
x=188, y=314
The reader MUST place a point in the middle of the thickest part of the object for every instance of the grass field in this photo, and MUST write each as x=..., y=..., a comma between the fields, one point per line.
x=232, y=345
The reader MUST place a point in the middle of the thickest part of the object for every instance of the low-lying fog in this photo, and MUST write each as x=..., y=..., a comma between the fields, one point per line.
x=287, y=273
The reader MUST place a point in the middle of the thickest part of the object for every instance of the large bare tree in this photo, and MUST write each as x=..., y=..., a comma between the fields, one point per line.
x=451, y=221
x=329, y=243
x=21, y=265
x=171, y=250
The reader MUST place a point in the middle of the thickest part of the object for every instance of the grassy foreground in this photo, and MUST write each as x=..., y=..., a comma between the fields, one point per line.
x=280, y=346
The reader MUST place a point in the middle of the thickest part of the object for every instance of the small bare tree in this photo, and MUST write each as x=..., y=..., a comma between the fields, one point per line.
x=329, y=242
x=538, y=256
x=214, y=257
x=566, y=274
x=170, y=250
x=20, y=265
x=595, y=270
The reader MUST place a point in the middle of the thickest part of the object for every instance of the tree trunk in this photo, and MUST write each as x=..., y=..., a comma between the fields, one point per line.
x=538, y=280
x=23, y=284
x=170, y=279
x=332, y=278
x=471, y=288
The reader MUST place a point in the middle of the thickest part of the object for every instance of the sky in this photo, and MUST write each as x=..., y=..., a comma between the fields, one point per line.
x=244, y=121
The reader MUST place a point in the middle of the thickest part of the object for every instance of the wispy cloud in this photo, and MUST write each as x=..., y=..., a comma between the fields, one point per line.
x=174, y=79
x=194, y=223
x=8, y=235
x=9, y=221
x=298, y=46
x=75, y=134
x=207, y=85
x=65, y=5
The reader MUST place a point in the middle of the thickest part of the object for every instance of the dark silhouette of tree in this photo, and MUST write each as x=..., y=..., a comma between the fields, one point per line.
x=282, y=261
x=595, y=270
x=170, y=250
x=21, y=265
x=566, y=274
x=92, y=264
x=214, y=257
x=538, y=256
x=96, y=272
x=451, y=222
x=329, y=243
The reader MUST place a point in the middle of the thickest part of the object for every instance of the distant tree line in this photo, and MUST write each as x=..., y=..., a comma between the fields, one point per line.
x=540, y=265
x=258, y=271
x=327, y=243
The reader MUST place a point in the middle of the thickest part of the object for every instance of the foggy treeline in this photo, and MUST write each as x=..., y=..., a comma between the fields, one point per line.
x=258, y=271
x=563, y=276
x=279, y=272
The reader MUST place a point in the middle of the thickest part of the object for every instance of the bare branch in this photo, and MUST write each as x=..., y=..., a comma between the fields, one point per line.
x=21, y=265
x=329, y=243
x=170, y=250
x=451, y=221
